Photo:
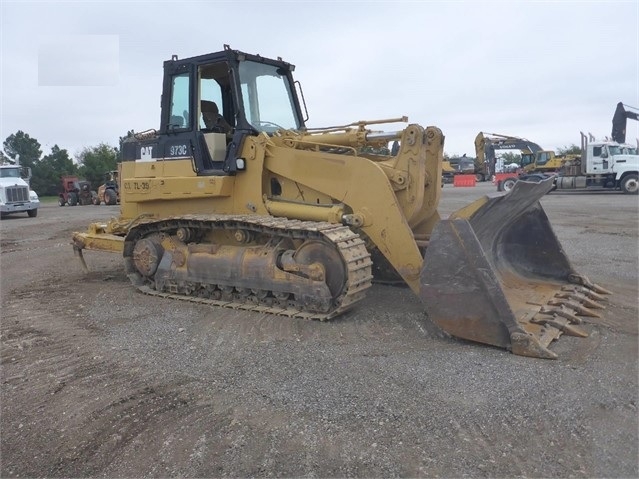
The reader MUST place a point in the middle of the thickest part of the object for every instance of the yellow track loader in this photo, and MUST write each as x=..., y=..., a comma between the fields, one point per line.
x=240, y=205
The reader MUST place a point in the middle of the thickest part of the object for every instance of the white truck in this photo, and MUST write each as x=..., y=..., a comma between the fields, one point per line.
x=15, y=193
x=603, y=165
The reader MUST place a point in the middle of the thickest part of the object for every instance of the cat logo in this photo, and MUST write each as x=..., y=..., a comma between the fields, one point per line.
x=146, y=153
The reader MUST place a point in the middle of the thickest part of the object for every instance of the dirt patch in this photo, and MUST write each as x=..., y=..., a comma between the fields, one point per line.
x=99, y=380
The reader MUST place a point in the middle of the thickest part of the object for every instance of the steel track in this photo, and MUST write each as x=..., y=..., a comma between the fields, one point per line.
x=350, y=246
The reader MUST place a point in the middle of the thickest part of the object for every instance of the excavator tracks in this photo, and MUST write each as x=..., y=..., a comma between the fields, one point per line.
x=350, y=249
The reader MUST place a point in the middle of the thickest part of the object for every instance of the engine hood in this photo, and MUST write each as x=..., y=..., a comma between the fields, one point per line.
x=627, y=159
x=4, y=182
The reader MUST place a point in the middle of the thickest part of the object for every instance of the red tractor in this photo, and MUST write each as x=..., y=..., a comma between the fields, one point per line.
x=74, y=191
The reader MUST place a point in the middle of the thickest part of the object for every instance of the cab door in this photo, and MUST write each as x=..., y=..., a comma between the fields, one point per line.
x=598, y=161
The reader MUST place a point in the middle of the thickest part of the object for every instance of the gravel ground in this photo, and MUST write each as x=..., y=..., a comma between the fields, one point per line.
x=99, y=380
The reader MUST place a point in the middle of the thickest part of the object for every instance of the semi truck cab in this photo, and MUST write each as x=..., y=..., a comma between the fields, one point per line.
x=16, y=195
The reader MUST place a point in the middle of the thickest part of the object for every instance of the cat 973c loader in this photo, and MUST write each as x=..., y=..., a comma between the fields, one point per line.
x=240, y=205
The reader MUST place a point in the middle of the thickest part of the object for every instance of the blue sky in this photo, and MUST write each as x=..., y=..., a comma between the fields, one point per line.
x=79, y=73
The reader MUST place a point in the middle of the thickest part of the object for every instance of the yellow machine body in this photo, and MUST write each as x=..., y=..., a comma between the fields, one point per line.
x=297, y=222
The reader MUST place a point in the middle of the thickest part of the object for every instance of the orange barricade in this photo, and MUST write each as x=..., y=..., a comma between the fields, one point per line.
x=464, y=180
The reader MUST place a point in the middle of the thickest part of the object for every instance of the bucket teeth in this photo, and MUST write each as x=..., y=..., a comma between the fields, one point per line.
x=584, y=281
x=563, y=326
x=563, y=312
x=580, y=298
x=579, y=309
x=525, y=344
x=509, y=272
x=585, y=291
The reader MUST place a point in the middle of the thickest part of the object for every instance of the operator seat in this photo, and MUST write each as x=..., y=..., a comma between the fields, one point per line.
x=213, y=121
x=213, y=140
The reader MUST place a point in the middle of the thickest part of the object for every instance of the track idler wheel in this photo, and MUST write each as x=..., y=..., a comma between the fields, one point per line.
x=147, y=255
x=325, y=258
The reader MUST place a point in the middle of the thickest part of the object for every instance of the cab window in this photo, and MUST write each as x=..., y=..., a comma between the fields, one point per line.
x=180, y=102
x=543, y=158
x=268, y=97
x=214, y=86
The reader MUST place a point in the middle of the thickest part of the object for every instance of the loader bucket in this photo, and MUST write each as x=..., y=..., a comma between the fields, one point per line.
x=495, y=273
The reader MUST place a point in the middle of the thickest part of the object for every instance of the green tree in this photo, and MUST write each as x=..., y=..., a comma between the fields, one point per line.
x=569, y=150
x=20, y=143
x=47, y=172
x=511, y=157
x=96, y=161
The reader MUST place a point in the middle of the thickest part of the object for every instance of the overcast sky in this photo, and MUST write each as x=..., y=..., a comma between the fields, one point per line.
x=77, y=74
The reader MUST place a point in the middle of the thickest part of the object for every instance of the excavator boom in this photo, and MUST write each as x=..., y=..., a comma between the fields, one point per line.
x=619, y=121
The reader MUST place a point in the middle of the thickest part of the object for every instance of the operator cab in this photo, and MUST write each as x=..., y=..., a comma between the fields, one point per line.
x=241, y=95
x=527, y=159
x=543, y=157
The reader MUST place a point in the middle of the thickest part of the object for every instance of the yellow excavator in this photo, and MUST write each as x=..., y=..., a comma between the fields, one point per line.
x=483, y=165
x=487, y=143
x=251, y=209
x=534, y=159
x=536, y=163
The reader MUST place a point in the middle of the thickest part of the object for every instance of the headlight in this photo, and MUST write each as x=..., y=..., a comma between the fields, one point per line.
x=33, y=196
